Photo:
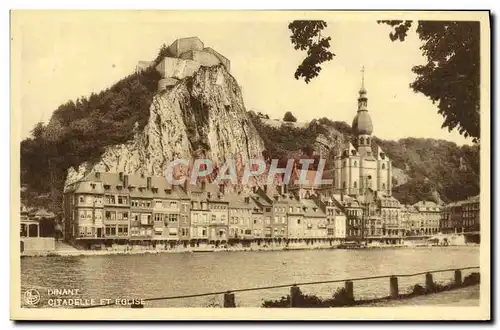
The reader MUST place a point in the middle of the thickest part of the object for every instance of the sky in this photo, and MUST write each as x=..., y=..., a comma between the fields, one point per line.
x=67, y=55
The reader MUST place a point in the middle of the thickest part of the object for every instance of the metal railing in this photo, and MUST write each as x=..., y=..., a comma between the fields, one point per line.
x=229, y=298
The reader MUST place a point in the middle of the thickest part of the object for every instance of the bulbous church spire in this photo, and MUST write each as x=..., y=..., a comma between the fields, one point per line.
x=362, y=123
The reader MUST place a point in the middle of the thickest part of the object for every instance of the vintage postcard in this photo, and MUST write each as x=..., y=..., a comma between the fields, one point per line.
x=250, y=165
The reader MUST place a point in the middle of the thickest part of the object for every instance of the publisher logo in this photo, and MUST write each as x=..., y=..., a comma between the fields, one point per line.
x=32, y=297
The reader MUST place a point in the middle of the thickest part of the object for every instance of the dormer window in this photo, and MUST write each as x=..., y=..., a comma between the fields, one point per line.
x=92, y=185
x=107, y=186
x=353, y=152
x=155, y=190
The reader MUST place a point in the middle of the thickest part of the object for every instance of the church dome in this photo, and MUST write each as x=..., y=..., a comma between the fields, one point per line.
x=362, y=123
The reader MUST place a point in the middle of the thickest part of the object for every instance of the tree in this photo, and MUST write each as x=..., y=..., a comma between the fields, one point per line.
x=306, y=35
x=289, y=117
x=451, y=76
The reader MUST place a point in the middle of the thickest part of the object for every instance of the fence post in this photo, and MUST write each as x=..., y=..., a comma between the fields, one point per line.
x=458, y=277
x=429, y=283
x=229, y=300
x=393, y=282
x=294, y=295
x=349, y=289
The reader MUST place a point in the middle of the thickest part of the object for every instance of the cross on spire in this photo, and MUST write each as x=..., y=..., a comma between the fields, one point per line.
x=363, y=77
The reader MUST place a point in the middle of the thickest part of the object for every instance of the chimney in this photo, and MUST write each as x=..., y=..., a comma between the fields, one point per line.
x=265, y=188
x=203, y=185
x=120, y=175
x=342, y=197
x=125, y=181
x=148, y=182
x=209, y=195
x=285, y=188
x=97, y=175
x=221, y=189
x=280, y=189
x=254, y=189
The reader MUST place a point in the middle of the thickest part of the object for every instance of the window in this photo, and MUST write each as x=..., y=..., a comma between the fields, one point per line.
x=355, y=184
x=362, y=141
x=173, y=204
x=82, y=199
x=343, y=185
x=298, y=221
x=355, y=163
x=383, y=166
x=109, y=199
x=214, y=218
x=172, y=217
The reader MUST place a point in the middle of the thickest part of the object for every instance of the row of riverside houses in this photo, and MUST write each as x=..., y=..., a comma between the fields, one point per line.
x=461, y=216
x=123, y=209
x=117, y=208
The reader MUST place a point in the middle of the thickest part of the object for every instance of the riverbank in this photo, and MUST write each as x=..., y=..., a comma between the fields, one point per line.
x=127, y=251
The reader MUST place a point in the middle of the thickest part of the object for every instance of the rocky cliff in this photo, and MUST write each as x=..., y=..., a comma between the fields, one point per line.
x=203, y=115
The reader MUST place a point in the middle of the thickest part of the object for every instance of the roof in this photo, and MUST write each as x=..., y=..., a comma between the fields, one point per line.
x=238, y=201
x=43, y=213
x=310, y=206
x=362, y=123
x=110, y=182
x=427, y=205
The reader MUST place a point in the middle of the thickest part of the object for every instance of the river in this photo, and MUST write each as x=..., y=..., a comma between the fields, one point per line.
x=159, y=275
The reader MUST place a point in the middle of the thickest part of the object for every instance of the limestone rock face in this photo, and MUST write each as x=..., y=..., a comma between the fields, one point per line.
x=201, y=116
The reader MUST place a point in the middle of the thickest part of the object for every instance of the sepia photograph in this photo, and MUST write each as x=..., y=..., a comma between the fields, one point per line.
x=170, y=165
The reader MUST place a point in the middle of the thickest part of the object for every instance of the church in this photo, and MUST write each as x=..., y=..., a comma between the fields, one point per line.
x=360, y=167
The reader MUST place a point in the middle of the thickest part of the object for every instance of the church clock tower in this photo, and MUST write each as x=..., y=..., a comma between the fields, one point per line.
x=362, y=123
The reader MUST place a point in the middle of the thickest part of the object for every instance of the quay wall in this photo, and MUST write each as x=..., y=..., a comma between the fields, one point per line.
x=37, y=244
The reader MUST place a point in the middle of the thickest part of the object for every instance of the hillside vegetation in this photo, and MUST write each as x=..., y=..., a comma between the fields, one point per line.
x=79, y=131
x=437, y=169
